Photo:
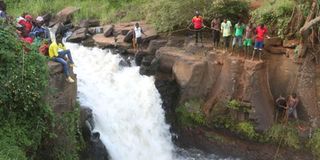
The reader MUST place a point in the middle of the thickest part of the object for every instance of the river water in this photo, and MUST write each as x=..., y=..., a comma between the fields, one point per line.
x=126, y=107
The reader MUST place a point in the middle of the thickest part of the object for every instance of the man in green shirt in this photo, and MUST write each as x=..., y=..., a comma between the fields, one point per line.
x=239, y=30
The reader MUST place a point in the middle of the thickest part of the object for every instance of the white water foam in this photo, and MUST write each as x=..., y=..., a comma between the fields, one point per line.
x=126, y=107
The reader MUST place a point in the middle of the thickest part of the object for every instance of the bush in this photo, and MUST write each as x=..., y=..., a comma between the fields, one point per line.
x=25, y=116
x=275, y=14
x=314, y=143
x=190, y=114
x=286, y=135
x=231, y=9
x=167, y=15
x=246, y=129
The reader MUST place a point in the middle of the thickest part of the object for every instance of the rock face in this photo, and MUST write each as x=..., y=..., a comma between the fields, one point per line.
x=219, y=78
x=95, y=149
x=64, y=97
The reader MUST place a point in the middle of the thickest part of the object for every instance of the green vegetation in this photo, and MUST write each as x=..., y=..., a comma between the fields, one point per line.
x=287, y=135
x=314, y=143
x=26, y=118
x=246, y=129
x=67, y=127
x=276, y=14
x=190, y=114
x=165, y=15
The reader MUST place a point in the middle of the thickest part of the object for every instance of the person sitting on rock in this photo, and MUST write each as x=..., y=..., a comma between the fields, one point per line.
x=261, y=33
x=26, y=23
x=292, y=104
x=137, y=34
x=58, y=53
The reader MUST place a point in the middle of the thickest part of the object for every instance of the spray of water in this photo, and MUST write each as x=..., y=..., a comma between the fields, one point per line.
x=126, y=106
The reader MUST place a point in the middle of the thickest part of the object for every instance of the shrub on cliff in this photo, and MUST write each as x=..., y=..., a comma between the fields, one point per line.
x=25, y=117
x=314, y=143
x=190, y=114
x=276, y=15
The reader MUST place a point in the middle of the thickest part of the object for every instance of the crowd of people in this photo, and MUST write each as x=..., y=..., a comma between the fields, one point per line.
x=34, y=32
x=243, y=35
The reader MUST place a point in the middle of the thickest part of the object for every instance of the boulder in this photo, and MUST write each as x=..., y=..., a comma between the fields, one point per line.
x=78, y=35
x=176, y=42
x=276, y=50
x=273, y=41
x=95, y=30
x=89, y=23
x=108, y=30
x=128, y=37
x=139, y=57
x=110, y=42
x=89, y=42
x=167, y=57
x=64, y=16
x=124, y=31
x=147, y=59
x=291, y=43
x=154, y=45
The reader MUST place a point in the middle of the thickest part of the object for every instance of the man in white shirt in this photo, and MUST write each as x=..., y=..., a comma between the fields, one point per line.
x=226, y=32
x=137, y=34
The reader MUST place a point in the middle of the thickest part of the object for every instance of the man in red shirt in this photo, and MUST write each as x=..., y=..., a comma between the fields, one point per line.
x=261, y=32
x=197, y=22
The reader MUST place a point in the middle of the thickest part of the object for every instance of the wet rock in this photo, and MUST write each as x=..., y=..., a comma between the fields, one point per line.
x=89, y=42
x=124, y=63
x=276, y=50
x=108, y=30
x=147, y=59
x=273, y=41
x=78, y=35
x=89, y=23
x=291, y=43
x=129, y=36
x=139, y=57
x=110, y=42
x=154, y=45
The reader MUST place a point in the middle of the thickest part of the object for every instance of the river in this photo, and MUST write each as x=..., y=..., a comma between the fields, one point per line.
x=127, y=108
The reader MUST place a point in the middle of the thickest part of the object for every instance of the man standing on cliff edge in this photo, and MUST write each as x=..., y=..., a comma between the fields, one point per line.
x=197, y=22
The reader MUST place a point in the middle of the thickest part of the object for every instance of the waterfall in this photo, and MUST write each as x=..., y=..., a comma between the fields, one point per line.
x=126, y=107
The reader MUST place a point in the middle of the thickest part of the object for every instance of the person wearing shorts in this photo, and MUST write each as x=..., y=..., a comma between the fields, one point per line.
x=247, y=43
x=138, y=36
x=261, y=33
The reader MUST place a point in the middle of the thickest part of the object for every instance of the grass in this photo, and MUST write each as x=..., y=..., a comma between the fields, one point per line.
x=190, y=114
x=104, y=10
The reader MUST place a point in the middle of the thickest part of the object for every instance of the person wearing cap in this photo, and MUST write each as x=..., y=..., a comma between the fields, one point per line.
x=26, y=23
x=58, y=52
x=38, y=29
x=197, y=22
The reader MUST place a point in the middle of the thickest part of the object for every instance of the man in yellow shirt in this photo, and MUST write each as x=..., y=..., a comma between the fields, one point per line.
x=58, y=52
